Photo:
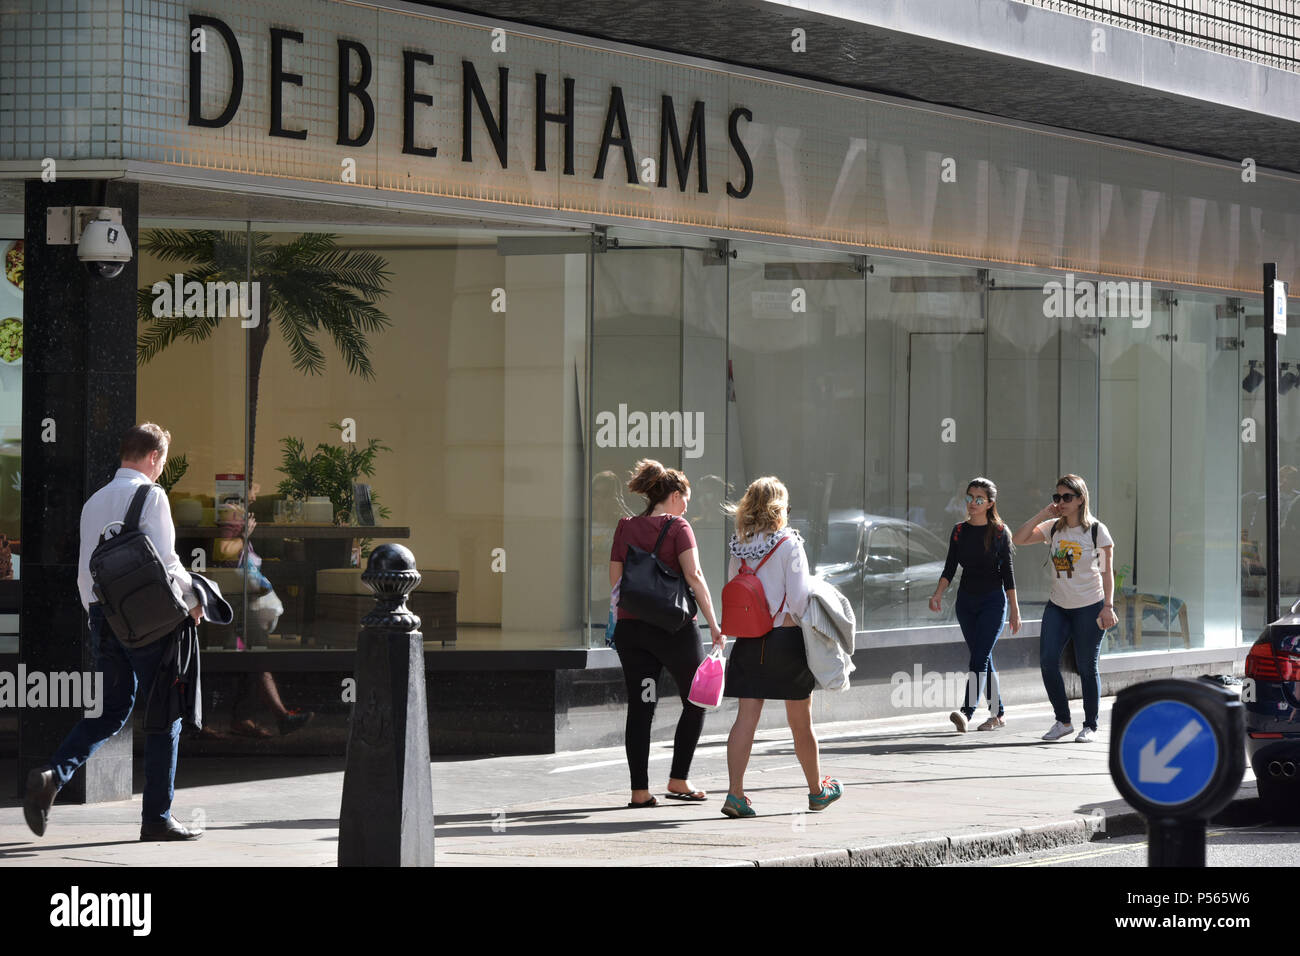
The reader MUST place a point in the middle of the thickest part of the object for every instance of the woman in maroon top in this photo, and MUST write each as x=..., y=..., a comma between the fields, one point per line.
x=645, y=650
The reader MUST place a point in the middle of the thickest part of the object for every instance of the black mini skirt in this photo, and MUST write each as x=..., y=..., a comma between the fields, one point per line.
x=772, y=667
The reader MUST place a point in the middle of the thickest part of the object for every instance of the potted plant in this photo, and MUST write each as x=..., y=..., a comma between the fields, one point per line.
x=330, y=471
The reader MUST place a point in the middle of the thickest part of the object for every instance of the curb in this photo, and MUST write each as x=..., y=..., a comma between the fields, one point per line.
x=970, y=847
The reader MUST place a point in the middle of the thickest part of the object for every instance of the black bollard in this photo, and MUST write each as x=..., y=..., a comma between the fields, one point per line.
x=387, y=814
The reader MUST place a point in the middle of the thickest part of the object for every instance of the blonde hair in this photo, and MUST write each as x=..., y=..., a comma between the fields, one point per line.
x=761, y=508
x=1080, y=488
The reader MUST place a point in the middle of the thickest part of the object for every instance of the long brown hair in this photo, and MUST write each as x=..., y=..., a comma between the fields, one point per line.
x=996, y=524
x=656, y=482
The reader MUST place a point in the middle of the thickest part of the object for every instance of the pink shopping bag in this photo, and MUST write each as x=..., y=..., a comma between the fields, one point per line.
x=706, y=689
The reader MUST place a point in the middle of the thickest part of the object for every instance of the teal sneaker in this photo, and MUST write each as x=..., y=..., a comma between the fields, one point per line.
x=735, y=808
x=831, y=792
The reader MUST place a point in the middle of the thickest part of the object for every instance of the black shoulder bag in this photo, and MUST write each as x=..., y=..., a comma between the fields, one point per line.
x=652, y=592
x=132, y=584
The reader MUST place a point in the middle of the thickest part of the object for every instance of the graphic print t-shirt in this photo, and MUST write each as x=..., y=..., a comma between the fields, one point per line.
x=1076, y=565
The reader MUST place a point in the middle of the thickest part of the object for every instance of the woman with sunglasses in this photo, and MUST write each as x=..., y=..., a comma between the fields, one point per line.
x=982, y=546
x=1081, y=606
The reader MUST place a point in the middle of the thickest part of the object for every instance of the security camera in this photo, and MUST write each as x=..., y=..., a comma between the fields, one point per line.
x=104, y=248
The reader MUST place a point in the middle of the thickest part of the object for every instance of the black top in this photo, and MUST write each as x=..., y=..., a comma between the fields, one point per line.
x=982, y=570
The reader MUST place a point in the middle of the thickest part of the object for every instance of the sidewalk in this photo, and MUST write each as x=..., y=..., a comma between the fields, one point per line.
x=915, y=792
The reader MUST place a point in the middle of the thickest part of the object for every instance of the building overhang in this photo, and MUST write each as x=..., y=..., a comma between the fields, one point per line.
x=992, y=56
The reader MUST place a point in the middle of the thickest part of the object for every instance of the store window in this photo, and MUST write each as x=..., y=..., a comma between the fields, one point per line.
x=1248, y=384
x=413, y=386
x=1169, y=408
x=925, y=425
x=798, y=353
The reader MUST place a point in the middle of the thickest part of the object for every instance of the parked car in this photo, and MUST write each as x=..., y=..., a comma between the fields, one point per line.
x=1271, y=694
x=887, y=567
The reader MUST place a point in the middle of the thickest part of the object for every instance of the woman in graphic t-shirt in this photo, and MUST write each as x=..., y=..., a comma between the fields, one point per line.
x=1081, y=605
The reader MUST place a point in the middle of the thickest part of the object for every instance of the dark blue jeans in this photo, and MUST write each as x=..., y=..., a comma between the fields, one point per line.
x=982, y=619
x=128, y=674
x=1060, y=626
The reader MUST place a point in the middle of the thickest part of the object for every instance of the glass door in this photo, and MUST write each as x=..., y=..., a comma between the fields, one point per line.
x=658, y=390
x=1205, y=554
x=1136, y=417
x=797, y=368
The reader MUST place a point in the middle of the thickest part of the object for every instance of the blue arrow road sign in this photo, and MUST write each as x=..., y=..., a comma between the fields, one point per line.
x=1168, y=752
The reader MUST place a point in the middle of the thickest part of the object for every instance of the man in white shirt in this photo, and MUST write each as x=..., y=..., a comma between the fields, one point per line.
x=144, y=454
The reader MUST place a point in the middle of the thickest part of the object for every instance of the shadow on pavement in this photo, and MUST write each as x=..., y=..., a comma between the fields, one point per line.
x=924, y=747
x=31, y=849
x=452, y=818
x=317, y=824
x=202, y=772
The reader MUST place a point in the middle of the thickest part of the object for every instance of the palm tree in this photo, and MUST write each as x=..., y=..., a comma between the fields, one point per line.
x=307, y=285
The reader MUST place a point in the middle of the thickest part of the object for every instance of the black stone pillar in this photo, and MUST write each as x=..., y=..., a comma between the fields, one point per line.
x=387, y=814
x=79, y=374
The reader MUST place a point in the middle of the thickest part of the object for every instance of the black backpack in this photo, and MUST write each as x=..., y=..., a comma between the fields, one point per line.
x=131, y=583
x=652, y=592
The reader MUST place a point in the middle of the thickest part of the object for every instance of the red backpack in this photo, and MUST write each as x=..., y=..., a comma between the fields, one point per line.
x=744, y=603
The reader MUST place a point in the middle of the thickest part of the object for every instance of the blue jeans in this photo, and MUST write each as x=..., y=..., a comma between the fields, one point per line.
x=982, y=619
x=127, y=674
x=1059, y=626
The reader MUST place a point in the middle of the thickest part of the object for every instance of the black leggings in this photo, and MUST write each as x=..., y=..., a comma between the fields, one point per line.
x=645, y=651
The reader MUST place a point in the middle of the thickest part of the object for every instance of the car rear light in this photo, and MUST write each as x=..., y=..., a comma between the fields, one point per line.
x=1264, y=663
x=1255, y=736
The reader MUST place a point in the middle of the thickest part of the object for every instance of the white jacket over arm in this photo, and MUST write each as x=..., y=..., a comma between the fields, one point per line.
x=829, y=630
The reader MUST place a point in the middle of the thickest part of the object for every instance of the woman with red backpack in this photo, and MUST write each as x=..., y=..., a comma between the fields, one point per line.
x=767, y=590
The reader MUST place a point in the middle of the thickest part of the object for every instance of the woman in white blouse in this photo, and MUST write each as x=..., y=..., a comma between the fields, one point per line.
x=773, y=666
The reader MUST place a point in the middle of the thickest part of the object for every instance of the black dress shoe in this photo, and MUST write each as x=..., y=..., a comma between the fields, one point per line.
x=41, y=788
x=170, y=830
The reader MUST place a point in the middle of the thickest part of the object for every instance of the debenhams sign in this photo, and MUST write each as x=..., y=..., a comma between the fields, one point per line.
x=403, y=100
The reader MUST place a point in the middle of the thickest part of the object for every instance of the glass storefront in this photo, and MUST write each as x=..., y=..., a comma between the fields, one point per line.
x=466, y=350
x=877, y=387
x=480, y=393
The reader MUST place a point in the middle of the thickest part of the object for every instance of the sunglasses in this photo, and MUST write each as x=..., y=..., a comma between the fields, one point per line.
x=1067, y=498
x=976, y=501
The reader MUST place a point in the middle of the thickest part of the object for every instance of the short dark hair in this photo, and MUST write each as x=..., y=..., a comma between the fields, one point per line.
x=141, y=441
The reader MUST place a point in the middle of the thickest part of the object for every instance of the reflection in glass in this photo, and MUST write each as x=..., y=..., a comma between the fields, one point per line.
x=795, y=408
